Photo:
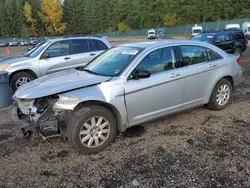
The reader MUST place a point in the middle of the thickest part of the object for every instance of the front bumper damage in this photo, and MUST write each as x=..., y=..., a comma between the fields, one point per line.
x=47, y=128
x=25, y=127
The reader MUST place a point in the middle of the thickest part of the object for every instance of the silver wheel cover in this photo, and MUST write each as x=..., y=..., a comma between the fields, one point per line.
x=94, y=132
x=223, y=95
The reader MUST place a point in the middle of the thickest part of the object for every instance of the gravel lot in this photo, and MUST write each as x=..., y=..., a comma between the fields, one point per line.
x=197, y=148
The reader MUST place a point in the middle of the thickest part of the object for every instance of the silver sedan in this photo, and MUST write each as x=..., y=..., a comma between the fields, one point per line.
x=124, y=87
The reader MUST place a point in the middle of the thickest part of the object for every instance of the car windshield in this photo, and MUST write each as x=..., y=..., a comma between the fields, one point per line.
x=151, y=33
x=208, y=37
x=37, y=50
x=113, y=61
x=197, y=31
x=232, y=28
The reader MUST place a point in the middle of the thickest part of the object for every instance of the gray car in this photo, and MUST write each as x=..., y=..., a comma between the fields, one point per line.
x=13, y=43
x=52, y=56
x=24, y=43
x=4, y=44
x=126, y=86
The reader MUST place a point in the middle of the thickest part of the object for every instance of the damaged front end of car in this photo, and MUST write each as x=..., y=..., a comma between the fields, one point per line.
x=48, y=115
x=45, y=105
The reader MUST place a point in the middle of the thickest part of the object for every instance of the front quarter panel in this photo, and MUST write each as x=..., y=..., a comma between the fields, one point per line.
x=31, y=64
x=111, y=94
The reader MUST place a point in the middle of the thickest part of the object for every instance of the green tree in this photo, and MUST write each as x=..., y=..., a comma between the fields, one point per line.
x=96, y=16
x=2, y=22
x=13, y=18
x=74, y=16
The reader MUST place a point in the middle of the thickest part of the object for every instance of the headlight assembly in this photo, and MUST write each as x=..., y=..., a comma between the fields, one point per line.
x=66, y=102
x=4, y=67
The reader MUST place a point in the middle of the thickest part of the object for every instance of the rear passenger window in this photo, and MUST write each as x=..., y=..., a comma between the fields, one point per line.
x=229, y=37
x=79, y=46
x=239, y=36
x=193, y=55
x=212, y=55
x=97, y=45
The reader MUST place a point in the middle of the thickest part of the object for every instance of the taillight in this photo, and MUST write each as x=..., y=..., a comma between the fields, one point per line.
x=239, y=62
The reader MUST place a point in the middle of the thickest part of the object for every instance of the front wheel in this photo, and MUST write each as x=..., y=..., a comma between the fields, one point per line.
x=91, y=129
x=20, y=79
x=221, y=95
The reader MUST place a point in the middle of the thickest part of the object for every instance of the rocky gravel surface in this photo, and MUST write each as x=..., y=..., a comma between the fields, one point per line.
x=196, y=148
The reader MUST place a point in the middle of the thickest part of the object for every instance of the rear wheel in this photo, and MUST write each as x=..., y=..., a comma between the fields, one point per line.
x=20, y=79
x=221, y=95
x=91, y=129
x=238, y=52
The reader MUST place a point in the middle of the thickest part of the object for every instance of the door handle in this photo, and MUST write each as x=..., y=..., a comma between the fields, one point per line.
x=173, y=75
x=92, y=54
x=67, y=58
x=212, y=65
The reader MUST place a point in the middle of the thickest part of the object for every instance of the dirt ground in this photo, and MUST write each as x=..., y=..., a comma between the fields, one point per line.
x=197, y=148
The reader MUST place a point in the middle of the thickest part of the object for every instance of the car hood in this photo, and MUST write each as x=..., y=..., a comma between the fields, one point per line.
x=58, y=83
x=13, y=59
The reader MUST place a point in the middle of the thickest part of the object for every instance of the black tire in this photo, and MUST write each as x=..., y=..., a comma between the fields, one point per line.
x=238, y=52
x=17, y=76
x=82, y=115
x=213, y=104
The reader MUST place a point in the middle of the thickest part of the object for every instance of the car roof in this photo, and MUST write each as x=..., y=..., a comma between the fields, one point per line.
x=72, y=38
x=156, y=43
x=223, y=31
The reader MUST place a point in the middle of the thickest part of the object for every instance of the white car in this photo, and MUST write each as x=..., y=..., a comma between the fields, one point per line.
x=246, y=29
x=196, y=30
x=151, y=34
x=232, y=26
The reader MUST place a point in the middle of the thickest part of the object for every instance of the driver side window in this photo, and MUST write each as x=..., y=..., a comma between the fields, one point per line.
x=58, y=49
x=159, y=60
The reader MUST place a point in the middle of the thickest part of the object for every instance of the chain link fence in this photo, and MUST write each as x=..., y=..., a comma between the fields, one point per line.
x=180, y=30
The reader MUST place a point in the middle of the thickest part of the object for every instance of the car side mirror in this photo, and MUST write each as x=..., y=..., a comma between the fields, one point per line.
x=45, y=55
x=140, y=73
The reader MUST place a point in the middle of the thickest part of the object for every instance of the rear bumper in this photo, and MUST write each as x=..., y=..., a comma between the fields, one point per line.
x=237, y=78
